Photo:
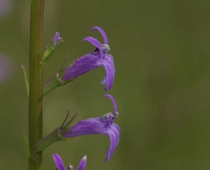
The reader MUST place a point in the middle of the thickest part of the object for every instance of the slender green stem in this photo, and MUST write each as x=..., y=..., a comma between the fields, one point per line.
x=35, y=80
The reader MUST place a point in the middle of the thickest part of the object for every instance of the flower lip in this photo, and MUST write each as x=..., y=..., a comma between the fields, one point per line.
x=102, y=33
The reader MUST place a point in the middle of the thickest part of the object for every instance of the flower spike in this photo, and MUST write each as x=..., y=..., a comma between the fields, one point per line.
x=102, y=33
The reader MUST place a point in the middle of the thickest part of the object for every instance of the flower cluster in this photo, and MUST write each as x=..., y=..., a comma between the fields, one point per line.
x=103, y=125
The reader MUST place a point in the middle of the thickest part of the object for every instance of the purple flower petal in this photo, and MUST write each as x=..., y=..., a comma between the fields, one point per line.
x=102, y=33
x=97, y=126
x=114, y=103
x=82, y=164
x=108, y=64
x=114, y=140
x=89, y=62
x=95, y=42
x=58, y=162
x=82, y=65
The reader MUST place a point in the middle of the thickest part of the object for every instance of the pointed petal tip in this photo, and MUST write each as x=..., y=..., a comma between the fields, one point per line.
x=102, y=33
x=85, y=157
x=82, y=164
x=58, y=161
x=113, y=102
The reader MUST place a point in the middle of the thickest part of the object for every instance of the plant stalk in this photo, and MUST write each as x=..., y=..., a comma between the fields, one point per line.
x=35, y=80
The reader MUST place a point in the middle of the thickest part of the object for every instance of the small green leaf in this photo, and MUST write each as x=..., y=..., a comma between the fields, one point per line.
x=25, y=142
x=25, y=78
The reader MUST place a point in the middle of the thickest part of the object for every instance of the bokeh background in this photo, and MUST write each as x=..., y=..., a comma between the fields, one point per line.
x=162, y=84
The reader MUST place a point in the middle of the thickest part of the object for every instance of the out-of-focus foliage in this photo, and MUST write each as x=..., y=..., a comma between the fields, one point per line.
x=162, y=85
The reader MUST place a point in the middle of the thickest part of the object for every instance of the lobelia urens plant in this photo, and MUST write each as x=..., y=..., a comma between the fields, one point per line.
x=37, y=89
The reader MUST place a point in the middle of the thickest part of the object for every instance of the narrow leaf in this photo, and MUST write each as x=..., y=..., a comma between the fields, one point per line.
x=25, y=78
x=25, y=142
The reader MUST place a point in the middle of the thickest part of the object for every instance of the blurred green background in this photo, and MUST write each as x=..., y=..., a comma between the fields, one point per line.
x=162, y=84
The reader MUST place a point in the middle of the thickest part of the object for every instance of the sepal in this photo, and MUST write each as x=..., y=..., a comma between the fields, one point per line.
x=56, y=135
x=56, y=80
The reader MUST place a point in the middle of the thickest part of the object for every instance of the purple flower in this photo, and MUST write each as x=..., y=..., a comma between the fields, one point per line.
x=101, y=125
x=88, y=62
x=60, y=165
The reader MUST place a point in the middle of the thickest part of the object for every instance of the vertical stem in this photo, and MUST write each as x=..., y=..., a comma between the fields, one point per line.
x=35, y=80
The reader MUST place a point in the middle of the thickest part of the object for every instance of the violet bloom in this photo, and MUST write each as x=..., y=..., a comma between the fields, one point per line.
x=100, y=125
x=60, y=165
x=88, y=62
